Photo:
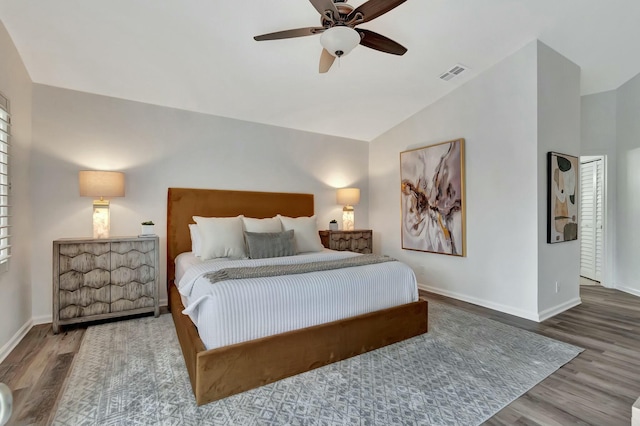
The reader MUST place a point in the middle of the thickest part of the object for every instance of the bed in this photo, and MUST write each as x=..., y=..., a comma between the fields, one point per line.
x=223, y=371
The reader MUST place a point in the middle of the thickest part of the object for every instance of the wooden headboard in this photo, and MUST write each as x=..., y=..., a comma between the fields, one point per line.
x=184, y=203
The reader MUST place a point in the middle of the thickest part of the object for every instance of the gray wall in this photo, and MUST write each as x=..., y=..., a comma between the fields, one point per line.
x=598, y=121
x=496, y=114
x=610, y=127
x=15, y=284
x=628, y=189
x=559, y=131
x=157, y=148
x=510, y=116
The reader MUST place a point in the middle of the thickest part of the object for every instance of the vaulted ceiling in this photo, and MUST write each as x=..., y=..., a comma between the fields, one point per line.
x=201, y=56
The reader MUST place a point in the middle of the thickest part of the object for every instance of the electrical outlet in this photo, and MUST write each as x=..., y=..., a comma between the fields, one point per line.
x=557, y=286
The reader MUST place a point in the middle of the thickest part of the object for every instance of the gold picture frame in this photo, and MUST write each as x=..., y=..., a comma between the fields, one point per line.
x=433, y=198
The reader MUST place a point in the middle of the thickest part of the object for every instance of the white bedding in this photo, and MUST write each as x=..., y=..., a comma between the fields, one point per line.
x=235, y=311
x=185, y=261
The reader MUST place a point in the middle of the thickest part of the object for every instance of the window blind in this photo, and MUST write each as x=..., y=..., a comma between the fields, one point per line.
x=5, y=185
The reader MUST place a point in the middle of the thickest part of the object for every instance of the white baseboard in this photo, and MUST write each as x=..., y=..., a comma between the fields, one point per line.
x=629, y=290
x=13, y=342
x=551, y=312
x=163, y=302
x=533, y=316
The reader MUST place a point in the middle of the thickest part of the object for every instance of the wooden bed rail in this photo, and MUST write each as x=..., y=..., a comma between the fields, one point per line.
x=222, y=372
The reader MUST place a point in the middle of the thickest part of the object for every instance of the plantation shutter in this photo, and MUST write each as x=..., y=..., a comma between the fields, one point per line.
x=591, y=219
x=5, y=185
x=598, y=182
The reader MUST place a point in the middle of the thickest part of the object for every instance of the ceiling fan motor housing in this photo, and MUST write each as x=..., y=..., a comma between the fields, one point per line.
x=329, y=19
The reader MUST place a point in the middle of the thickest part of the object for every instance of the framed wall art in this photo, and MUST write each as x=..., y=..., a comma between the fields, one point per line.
x=562, y=205
x=432, y=198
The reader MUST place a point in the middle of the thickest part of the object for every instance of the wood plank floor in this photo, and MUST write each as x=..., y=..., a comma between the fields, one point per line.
x=596, y=388
x=600, y=385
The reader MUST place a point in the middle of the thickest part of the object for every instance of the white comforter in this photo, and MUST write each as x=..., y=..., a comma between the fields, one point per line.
x=235, y=311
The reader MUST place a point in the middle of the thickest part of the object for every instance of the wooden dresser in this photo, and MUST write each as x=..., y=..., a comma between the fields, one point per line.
x=359, y=240
x=95, y=279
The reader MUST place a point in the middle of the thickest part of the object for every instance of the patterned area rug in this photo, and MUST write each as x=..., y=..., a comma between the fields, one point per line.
x=461, y=373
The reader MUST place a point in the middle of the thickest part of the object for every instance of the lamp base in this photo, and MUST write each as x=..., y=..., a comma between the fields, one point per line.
x=348, y=220
x=101, y=219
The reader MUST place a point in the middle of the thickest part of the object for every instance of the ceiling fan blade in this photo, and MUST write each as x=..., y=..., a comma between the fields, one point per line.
x=380, y=42
x=374, y=8
x=324, y=5
x=298, y=32
x=326, y=60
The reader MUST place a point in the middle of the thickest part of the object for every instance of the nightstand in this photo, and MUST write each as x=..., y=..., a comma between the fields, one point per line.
x=95, y=279
x=359, y=240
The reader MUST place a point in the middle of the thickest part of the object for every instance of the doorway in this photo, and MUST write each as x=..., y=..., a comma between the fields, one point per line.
x=592, y=220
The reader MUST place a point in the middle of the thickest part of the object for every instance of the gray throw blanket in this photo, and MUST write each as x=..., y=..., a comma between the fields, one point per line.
x=299, y=268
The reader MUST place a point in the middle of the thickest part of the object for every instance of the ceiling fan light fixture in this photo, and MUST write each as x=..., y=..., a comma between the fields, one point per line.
x=339, y=40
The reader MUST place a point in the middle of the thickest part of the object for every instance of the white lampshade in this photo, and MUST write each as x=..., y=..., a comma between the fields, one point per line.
x=97, y=183
x=339, y=40
x=348, y=196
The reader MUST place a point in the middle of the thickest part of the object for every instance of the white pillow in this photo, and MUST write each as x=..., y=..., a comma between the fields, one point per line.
x=221, y=236
x=196, y=239
x=305, y=232
x=270, y=225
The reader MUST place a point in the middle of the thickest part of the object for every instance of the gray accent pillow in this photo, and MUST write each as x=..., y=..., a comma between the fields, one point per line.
x=261, y=245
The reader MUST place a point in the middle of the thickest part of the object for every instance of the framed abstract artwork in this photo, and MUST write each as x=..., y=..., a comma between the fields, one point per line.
x=432, y=198
x=562, y=205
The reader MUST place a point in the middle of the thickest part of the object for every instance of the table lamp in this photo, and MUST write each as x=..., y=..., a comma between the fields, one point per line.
x=96, y=183
x=348, y=197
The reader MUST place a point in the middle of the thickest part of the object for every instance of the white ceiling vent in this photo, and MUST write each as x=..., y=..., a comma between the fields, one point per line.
x=454, y=72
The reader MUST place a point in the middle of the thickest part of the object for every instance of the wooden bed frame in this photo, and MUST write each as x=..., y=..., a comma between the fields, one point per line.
x=221, y=372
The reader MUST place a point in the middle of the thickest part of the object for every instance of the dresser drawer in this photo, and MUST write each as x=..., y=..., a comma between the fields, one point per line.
x=84, y=280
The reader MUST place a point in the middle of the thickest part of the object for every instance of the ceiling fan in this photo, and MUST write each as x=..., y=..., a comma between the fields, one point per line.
x=339, y=35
